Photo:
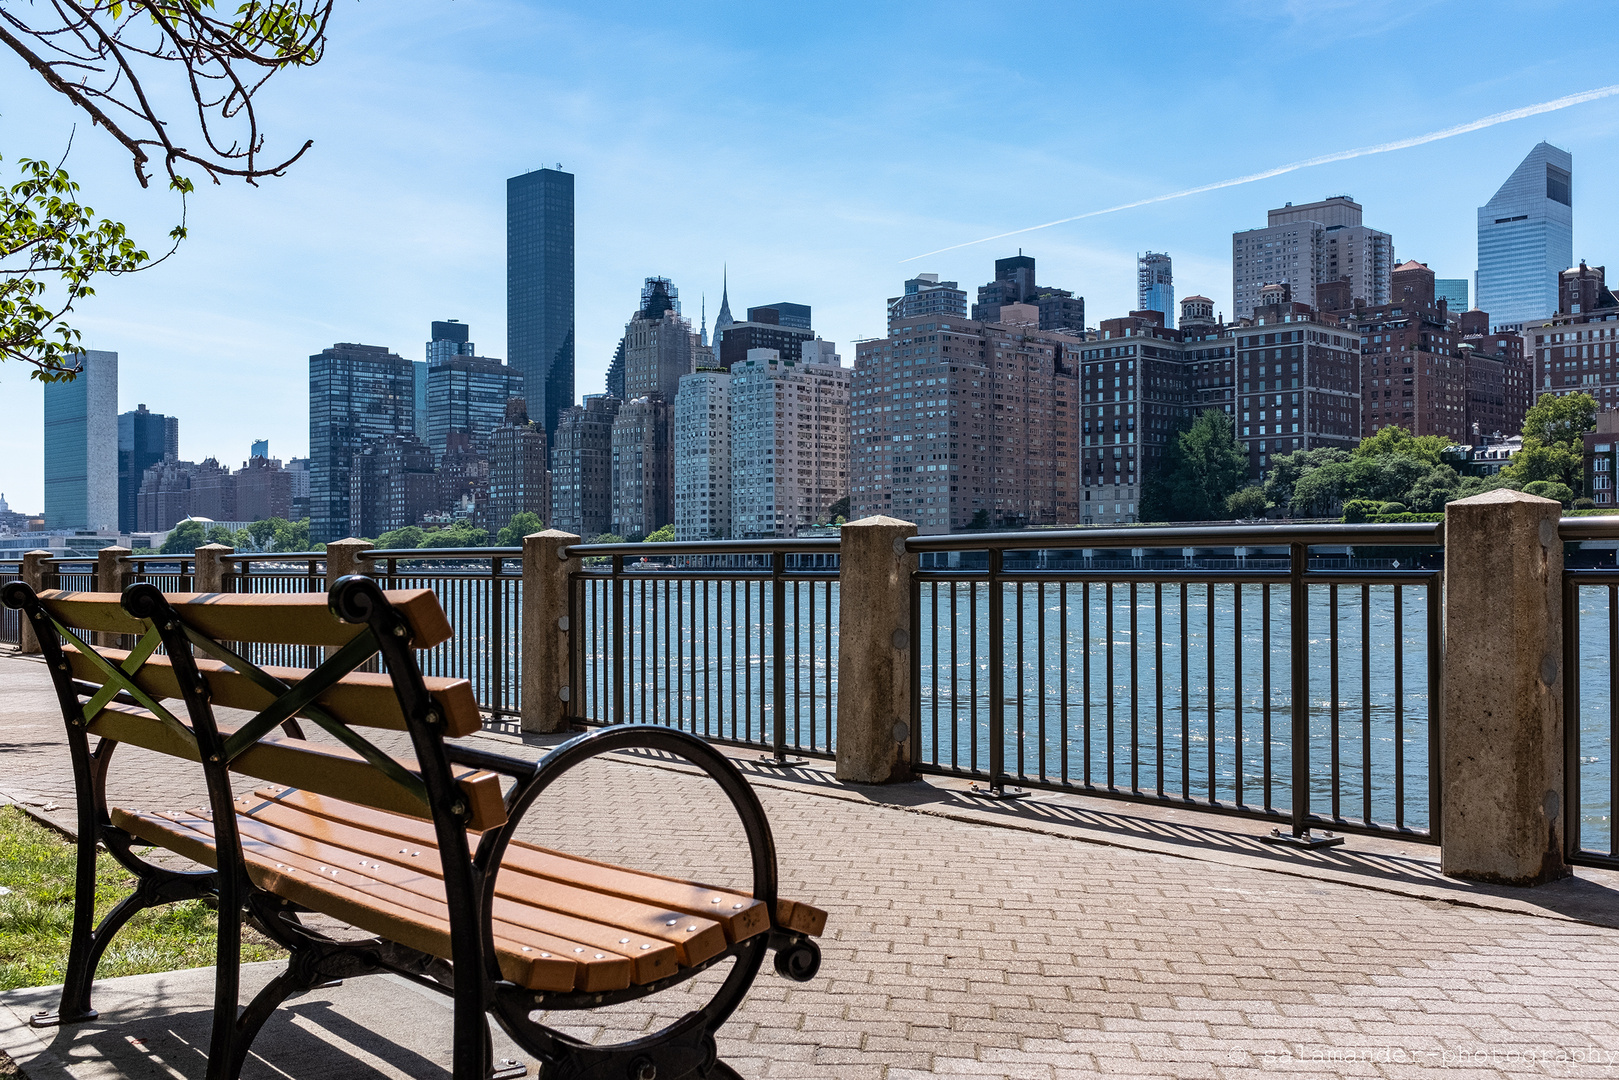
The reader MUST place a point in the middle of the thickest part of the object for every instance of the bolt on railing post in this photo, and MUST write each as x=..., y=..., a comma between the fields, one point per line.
x=1299, y=617
x=778, y=646
x=997, y=674
x=618, y=638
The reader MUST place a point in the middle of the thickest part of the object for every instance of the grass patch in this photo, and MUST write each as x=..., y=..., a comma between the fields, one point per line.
x=36, y=915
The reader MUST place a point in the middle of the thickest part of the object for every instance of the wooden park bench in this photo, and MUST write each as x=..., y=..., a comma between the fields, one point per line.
x=416, y=851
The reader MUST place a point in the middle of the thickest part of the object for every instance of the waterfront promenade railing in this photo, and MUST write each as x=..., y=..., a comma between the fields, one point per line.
x=735, y=641
x=1289, y=673
x=10, y=621
x=1591, y=689
x=481, y=590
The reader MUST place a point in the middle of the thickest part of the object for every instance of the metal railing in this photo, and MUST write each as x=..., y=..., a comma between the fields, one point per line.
x=171, y=573
x=734, y=640
x=1590, y=691
x=1278, y=685
x=277, y=572
x=481, y=591
x=10, y=621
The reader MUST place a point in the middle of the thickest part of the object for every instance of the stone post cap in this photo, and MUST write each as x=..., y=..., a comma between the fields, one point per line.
x=880, y=520
x=351, y=541
x=114, y=550
x=553, y=534
x=218, y=549
x=39, y=552
x=1503, y=495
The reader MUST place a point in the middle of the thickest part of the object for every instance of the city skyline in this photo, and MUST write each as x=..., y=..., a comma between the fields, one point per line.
x=419, y=246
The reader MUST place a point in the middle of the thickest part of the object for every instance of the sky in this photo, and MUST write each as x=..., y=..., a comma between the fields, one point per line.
x=809, y=151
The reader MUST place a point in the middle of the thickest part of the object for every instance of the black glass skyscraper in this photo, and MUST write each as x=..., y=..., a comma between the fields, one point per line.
x=539, y=290
x=141, y=439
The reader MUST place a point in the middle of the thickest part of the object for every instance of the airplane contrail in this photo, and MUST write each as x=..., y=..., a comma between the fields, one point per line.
x=1342, y=155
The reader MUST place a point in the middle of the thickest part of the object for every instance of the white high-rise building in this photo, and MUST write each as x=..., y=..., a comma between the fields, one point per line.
x=1308, y=245
x=1526, y=239
x=1155, y=283
x=81, y=446
x=789, y=440
x=703, y=456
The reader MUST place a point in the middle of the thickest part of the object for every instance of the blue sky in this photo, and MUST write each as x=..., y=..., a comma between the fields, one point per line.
x=812, y=148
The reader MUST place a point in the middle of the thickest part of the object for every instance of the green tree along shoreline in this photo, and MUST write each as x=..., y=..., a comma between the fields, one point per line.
x=1202, y=476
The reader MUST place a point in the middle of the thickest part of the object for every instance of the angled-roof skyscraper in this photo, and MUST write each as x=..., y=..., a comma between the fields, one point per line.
x=539, y=290
x=1526, y=238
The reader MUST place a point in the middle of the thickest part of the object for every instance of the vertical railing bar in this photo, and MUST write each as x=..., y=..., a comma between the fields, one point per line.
x=1021, y=661
x=972, y=674
x=1209, y=733
x=1040, y=680
x=1366, y=703
x=1332, y=682
x=1158, y=681
x=778, y=603
x=1085, y=696
x=1265, y=694
x=1062, y=672
x=1111, y=786
x=1236, y=739
x=1299, y=707
x=997, y=674
x=1436, y=702
x=955, y=693
x=1135, y=693
x=618, y=639
x=1186, y=699
x=1399, y=706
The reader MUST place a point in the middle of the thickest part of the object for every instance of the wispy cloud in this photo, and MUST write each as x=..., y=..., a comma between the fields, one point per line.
x=1325, y=159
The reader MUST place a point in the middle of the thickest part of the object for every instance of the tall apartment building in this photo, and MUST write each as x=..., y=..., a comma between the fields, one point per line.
x=702, y=449
x=467, y=395
x=925, y=295
x=659, y=344
x=540, y=290
x=1574, y=350
x=357, y=394
x=1500, y=379
x=263, y=490
x=1299, y=378
x=518, y=480
x=213, y=491
x=81, y=446
x=1060, y=309
x=1139, y=382
x=950, y=420
x=765, y=328
x=643, y=467
x=1526, y=238
x=391, y=485
x=1155, y=283
x=1307, y=246
x=582, y=467
x=1415, y=370
x=789, y=440
x=142, y=437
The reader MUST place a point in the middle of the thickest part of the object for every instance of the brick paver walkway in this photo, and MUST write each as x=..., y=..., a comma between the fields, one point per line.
x=960, y=949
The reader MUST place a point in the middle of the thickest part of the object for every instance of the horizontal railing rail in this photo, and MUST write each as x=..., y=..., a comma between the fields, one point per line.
x=733, y=640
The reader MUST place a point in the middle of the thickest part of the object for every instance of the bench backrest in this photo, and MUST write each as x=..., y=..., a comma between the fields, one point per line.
x=186, y=648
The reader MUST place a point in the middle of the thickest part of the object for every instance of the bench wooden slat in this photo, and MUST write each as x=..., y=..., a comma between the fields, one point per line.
x=413, y=925
x=695, y=937
x=361, y=699
x=561, y=866
x=327, y=768
x=418, y=888
x=271, y=618
x=385, y=865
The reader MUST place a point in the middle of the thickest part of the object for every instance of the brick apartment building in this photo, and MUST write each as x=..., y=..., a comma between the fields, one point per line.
x=1574, y=349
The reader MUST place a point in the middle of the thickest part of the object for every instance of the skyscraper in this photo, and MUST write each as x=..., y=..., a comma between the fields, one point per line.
x=450, y=339
x=1309, y=245
x=140, y=446
x=468, y=394
x=789, y=440
x=1526, y=238
x=702, y=446
x=1155, y=283
x=1014, y=283
x=1454, y=291
x=539, y=290
x=582, y=467
x=925, y=294
x=81, y=446
x=358, y=394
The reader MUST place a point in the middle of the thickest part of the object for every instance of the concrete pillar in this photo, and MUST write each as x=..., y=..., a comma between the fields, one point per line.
x=547, y=695
x=1502, y=745
x=113, y=573
x=343, y=558
x=211, y=568
x=35, y=565
x=874, y=651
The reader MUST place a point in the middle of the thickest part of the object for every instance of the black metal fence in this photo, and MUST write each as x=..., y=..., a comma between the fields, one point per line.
x=1590, y=688
x=481, y=590
x=10, y=621
x=735, y=641
x=1262, y=678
